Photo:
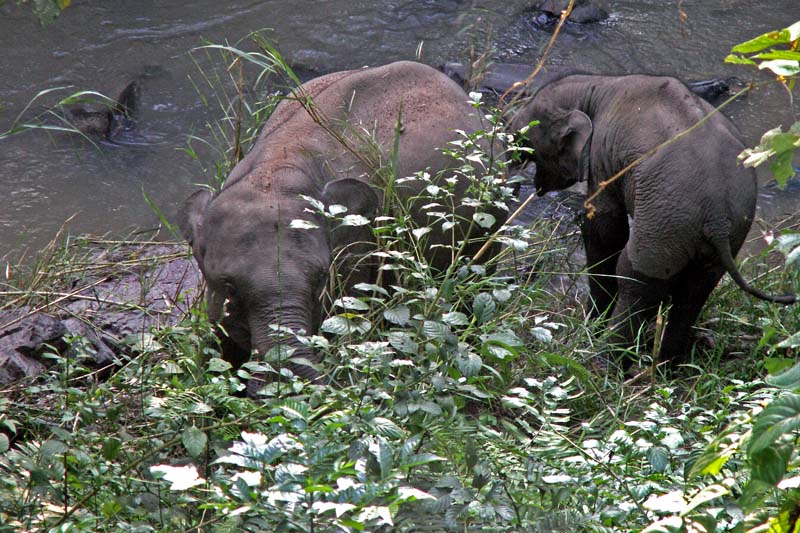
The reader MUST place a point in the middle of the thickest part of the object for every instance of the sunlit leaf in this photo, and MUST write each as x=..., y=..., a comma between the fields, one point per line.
x=179, y=477
x=351, y=304
x=484, y=220
x=670, y=503
x=299, y=223
x=706, y=494
x=398, y=315
x=781, y=67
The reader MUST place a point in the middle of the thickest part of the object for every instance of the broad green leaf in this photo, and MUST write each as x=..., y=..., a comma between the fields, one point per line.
x=505, y=338
x=341, y=325
x=501, y=295
x=455, y=318
x=435, y=330
x=418, y=459
x=484, y=220
x=781, y=167
x=483, y=307
x=351, y=304
x=399, y=315
x=791, y=342
x=658, y=457
x=469, y=364
x=789, y=379
x=766, y=40
x=386, y=428
x=371, y=287
x=216, y=364
x=194, y=441
x=542, y=334
x=780, y=54
x=53, y=447
x=402, y=342
x=780, y=417
x=769, y=465
x=4, y=443
x=738, y=60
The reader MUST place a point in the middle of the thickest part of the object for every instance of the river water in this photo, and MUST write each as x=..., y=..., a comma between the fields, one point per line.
x=47, y=178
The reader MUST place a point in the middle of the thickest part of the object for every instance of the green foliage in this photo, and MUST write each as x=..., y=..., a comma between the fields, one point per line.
x=778, y=52
x=45, y=10
x=454, y=401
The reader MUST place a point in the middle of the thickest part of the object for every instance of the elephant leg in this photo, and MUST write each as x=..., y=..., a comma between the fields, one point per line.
x=689, y=295
x=604, y=237
x=638, y=299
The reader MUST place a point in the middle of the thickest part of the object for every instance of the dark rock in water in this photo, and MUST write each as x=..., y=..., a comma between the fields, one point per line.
x=584, y=12
x=105, y=310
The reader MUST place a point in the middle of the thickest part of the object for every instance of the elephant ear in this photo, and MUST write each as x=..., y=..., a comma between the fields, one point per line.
x=575, y=133
x=357, y=196
x=360, y=199
x=191, y=217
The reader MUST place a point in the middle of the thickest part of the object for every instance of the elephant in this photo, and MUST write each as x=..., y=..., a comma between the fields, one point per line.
x=271, y=272
x=106, y=122
x=668, y=229
x=498, y=78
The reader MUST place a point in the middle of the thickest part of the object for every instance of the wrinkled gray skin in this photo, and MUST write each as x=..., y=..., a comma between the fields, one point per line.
x=241, y=239
x=669, y=228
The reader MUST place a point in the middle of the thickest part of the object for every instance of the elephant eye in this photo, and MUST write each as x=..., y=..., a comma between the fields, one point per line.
x=231, y=291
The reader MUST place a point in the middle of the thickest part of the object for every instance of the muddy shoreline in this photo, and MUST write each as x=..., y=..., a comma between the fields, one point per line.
x=110, y=301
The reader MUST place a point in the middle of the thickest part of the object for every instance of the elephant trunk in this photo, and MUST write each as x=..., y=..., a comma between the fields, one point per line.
x=265, y=338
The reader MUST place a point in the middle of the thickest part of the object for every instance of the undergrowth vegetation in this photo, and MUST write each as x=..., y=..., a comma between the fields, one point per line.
x=465, y=400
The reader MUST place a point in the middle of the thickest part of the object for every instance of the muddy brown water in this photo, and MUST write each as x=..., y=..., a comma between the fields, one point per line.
x=46, y=178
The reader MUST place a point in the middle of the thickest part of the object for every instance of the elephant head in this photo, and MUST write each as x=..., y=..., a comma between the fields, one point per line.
x=561, y=143
x=261, y=270
x=106, y=120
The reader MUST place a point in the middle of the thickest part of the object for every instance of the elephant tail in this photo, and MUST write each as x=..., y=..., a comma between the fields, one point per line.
x=725, y=255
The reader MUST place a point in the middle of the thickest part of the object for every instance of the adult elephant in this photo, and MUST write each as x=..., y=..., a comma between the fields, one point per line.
x=668, y=228
x=329, y=142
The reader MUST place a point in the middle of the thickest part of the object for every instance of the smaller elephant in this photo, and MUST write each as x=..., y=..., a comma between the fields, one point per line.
x=667, y=229
x=106, y=121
